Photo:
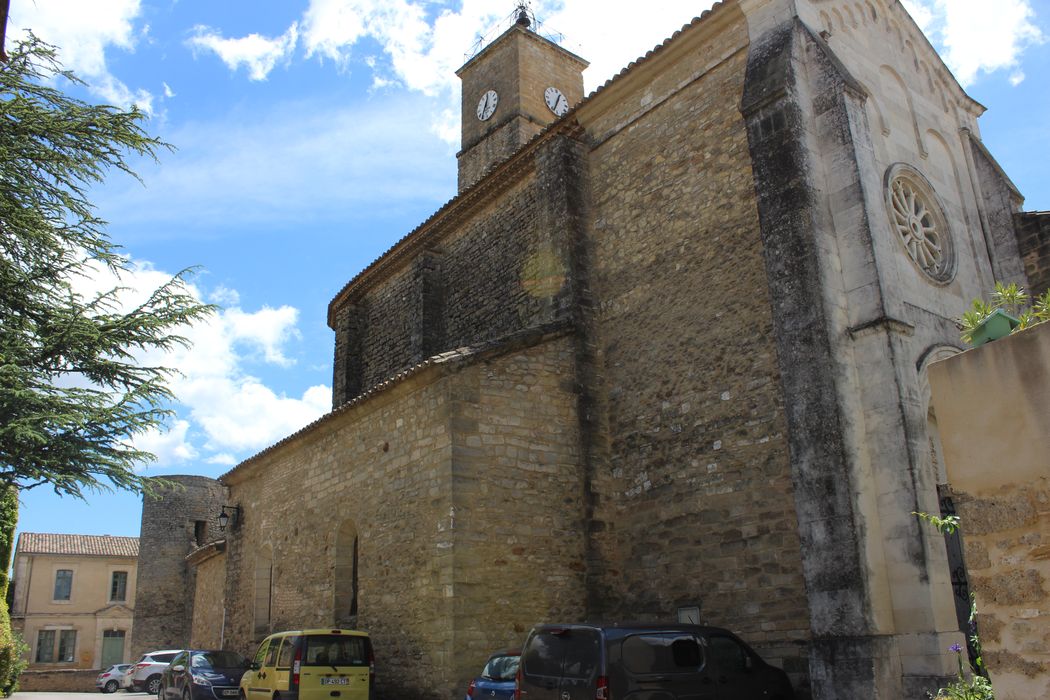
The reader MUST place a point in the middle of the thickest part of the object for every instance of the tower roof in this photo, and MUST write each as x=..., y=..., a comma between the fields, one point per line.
x=526, y=31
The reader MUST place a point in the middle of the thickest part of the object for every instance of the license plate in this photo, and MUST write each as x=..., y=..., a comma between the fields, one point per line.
x=335, y=681
x=229, y=691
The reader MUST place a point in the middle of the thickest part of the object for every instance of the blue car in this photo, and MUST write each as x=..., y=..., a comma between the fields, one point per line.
x=200, y=674
x=496, y=681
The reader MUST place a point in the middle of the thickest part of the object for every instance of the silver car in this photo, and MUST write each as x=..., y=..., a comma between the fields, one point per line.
x=149, y=669
x=109, y=680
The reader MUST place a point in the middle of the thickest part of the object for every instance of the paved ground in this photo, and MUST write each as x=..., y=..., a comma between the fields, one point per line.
x=21, y=695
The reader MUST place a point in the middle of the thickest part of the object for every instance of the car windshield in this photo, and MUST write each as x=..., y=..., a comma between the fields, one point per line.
x=209, y=660
x=335, y=650
x=501, y=668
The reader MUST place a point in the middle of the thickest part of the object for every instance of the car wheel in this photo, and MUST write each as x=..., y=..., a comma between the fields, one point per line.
x=111, y=687
x=153, y=685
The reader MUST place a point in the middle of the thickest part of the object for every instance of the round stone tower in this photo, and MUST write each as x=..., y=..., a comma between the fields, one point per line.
x=176, y=521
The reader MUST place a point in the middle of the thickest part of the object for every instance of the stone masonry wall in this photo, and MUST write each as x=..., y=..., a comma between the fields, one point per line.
x=499, y=268
x=209, y=603
x=64, y=681
x=460, y=481
x=695, y=507
x=1033, y=238
x=518, y=488
x=163, y=602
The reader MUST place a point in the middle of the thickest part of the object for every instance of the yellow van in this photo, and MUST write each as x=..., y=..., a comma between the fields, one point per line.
x=316, y=664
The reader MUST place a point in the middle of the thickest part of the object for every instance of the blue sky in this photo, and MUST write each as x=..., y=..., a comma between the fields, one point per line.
x=313, y=134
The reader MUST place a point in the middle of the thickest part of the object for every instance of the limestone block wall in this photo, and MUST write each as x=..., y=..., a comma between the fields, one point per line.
x=993, y=411
x=460, y=480
x=62, y=681
x=163, y=601
x=695, y=505
x=209, y=602
x=1033, y=239
x=519, y=491
x=484, y=271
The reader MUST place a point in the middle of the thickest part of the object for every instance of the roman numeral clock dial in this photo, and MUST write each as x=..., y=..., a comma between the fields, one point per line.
x=487, y=105
x=556, y=101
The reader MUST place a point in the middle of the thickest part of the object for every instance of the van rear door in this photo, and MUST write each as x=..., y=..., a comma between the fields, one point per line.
x=562, y=664
x=661, y=664
x=334, y=666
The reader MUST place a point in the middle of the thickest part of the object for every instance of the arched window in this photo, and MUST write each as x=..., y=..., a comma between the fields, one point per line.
x=346, y=575
x=263, y=590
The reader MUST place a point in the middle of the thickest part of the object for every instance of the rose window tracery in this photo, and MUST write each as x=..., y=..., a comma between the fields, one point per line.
x=920, y=225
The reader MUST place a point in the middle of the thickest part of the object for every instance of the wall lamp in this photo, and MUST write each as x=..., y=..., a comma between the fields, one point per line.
x=230, y=515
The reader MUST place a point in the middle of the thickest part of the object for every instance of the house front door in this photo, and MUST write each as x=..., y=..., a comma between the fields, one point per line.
x=112, y=648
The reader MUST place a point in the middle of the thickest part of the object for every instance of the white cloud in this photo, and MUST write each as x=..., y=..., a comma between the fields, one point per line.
x=423, y=55
x=168, y=92
x=222, y=409
x=240, y=169
x=240, y=414
x=978, y=37
x=170, y=446
x=267, y=329
x=84, y=31
x=257, y=53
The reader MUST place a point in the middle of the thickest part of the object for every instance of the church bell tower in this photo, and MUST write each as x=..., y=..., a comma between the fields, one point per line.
x=512, y=89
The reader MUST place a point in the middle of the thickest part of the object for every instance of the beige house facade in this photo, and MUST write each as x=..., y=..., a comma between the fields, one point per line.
x=663, y=356
x=73, y=599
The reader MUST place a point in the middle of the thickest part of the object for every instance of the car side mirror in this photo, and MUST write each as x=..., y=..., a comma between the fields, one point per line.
x=255, y=666
x=178, y=669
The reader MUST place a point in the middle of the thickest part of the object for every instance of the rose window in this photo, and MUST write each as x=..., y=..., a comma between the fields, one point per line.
x=921, y=226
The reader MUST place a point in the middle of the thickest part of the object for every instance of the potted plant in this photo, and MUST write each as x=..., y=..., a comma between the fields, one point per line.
x=988, y=321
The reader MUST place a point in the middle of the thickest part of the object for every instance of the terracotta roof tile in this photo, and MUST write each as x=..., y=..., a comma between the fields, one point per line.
x=88, y=545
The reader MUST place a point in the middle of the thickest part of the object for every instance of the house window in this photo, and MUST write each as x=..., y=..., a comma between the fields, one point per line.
x=63, y=584
x=200, y=532
x=118, y=588
x=67, y=643
x=45, y=646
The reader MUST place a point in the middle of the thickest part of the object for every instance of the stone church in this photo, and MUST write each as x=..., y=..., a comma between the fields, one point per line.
x=663, y=357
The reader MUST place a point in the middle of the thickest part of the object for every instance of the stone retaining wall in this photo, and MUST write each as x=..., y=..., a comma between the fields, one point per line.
x=60, y=681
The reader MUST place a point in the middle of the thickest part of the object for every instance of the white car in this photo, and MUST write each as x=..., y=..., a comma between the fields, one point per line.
x=109, y=680
x=146, y=673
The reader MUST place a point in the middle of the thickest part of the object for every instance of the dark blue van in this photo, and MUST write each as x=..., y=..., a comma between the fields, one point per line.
x=651, y=661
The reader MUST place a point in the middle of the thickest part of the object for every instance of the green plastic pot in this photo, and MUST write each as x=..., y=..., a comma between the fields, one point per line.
x=996, y=325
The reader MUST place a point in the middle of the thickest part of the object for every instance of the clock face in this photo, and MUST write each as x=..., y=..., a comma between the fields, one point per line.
x=487, y=105
x=556, y=101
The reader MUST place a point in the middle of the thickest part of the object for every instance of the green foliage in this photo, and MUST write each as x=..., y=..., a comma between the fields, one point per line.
x=945, y=525
x=13, y=653
x=1011, y=299
x=8, y=522
x=73, y=394
x=976, y=686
